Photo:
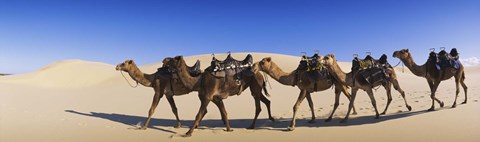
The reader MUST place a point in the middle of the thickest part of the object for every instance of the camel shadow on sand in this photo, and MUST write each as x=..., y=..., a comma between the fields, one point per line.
x=263, y=123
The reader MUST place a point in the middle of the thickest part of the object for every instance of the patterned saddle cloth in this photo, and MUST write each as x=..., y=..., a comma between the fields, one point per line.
x=231, y=67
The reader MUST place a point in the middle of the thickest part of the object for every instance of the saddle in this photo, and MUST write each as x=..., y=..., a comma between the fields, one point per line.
x=171, y=72
x=231, y=67
x=373, y=71
x=314, y=69
x=444, y=59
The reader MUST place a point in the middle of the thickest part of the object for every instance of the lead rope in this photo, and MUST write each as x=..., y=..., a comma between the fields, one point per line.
x=403, y=67
x=129, y=81
x=265, y=77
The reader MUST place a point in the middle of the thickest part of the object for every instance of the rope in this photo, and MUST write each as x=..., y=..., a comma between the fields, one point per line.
x=129, y=81
x=376, y=88
x=266, y=79
x=403, y=67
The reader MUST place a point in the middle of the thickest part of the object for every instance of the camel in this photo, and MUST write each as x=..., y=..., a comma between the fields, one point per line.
x=213, y=89
x=306, y=85
x=434, y=76
x=360, y=83
x=162, y=83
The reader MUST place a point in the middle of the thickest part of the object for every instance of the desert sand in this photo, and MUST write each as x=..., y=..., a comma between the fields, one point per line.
x=77, y=100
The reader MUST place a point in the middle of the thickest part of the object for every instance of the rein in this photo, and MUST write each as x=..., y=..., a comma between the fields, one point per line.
x=265, y=77
x=403, y=67
x=129, y=81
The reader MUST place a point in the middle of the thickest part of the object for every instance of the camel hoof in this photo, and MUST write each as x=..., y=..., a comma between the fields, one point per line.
x=290, y=128
x=272, y=119
x=454, y=106
x=328, y=120
x=251, y=127
x=188, y=134
x=409, y=108
x=383, y=113
x=142, y=128
x=465, y=102
x=228, y=130
x=312, y=121
x=344, y=121
x=441, y=104
x=431, y=109
x=354, y=113
x=377, y=117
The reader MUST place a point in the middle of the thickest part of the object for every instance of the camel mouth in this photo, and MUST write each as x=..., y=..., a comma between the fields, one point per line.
x=118, y=68
x=395, y=54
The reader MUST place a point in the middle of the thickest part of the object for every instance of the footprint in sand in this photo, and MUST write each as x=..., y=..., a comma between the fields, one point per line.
x=475, y=100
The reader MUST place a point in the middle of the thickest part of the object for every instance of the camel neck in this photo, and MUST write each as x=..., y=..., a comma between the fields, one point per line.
x=187, y=80
x=337, y=72
x=279, y=75
x=413, y=67
x=140, y=77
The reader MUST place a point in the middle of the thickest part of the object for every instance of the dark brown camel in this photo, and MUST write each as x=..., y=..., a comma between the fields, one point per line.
x=214, y=89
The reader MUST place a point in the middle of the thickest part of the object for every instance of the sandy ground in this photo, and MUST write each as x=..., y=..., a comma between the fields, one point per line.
x=77, y=100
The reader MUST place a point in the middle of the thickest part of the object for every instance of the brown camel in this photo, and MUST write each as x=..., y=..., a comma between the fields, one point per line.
x=434, y=76
x=216, y=89
x=306, y=85
x=360, y=83
x=161, y=82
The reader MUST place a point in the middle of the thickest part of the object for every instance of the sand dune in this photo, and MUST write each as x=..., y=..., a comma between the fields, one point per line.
x=78, y=100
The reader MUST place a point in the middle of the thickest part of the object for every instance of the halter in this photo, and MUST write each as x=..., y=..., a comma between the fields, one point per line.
x=129, y=81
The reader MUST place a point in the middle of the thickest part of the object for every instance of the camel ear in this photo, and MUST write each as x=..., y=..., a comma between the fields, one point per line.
x=178, y=57
x=129, y=61
x=332, y=55
x=406, y=50
x=268, y=59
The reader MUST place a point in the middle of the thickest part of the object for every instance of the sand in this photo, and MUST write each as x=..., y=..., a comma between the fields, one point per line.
x=77, y=100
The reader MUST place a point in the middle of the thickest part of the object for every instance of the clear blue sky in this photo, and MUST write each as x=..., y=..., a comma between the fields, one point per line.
x=37, y=32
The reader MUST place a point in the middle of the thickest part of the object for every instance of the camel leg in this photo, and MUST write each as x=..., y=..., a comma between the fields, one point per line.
x=464, y=89
x=217, y=103
x=267, y=103
x=303, y=94
x=433, y=89
x=457, y=91
x=374, y=103
x=389, y=97
x=223, y=112
x=156, y=98
x=310, y=104
x=350, y=106
x=198, y=118
x=204, y=113
x=396, y=85
x=174, y=110
x=337, y=102
x=345, y=92
x=258, y=109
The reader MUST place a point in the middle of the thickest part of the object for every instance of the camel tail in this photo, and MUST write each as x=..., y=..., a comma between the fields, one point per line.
x=265, y=89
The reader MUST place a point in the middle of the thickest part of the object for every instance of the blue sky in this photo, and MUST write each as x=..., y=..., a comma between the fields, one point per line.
x=37, y=32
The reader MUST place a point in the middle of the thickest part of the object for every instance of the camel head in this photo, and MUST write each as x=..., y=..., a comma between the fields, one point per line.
x=401, y=54
x=329, y=60
x=125, y=66
x=265, y=64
